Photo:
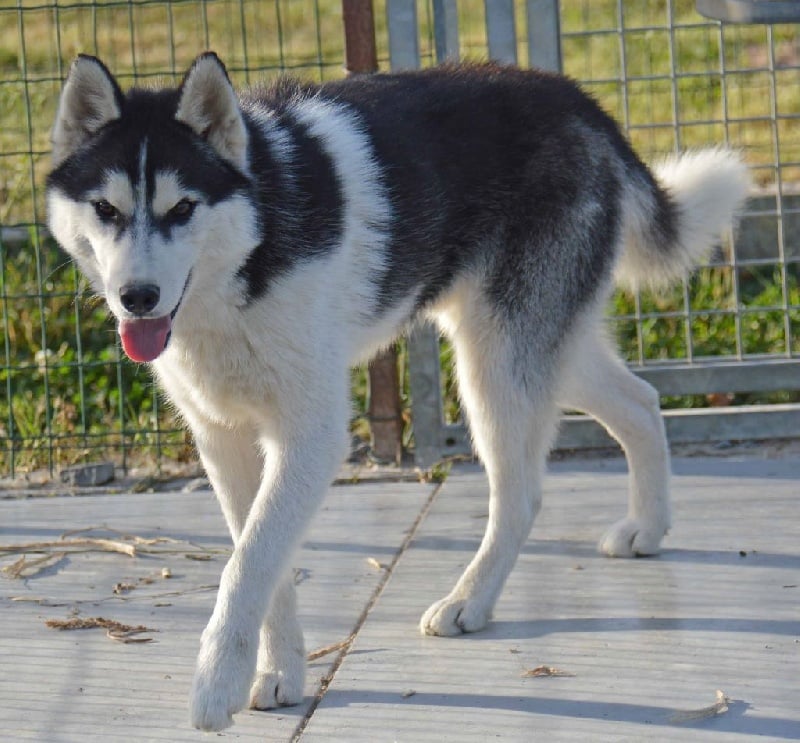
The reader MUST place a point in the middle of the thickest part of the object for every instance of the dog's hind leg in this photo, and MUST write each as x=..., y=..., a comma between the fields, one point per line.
x=512, y=420
x=597, y=382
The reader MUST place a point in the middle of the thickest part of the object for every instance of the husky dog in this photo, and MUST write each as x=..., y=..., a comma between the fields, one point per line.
x=254, y=245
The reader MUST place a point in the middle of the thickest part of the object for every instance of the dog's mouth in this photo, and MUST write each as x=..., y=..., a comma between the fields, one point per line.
x=144, y=339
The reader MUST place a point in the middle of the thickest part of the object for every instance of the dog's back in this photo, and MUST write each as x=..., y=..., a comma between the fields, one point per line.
x=481, y=163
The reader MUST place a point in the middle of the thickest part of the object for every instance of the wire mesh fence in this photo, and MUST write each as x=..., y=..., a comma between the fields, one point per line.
x=674, y=80
x=683, y=82
x=727, y=339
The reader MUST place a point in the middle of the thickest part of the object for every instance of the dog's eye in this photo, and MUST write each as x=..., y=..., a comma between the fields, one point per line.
x=106, y=211
x=182, y=210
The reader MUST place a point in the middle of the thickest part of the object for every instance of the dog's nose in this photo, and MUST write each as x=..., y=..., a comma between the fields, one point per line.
x=139, y=299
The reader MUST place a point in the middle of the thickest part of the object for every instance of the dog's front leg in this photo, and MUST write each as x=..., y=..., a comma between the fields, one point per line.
x=235, y=464
x=297, y=471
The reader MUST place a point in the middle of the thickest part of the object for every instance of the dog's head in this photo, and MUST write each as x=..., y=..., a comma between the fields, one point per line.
x=144, y=185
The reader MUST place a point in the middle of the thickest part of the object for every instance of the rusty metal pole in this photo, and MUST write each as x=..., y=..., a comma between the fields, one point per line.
x=384, y=411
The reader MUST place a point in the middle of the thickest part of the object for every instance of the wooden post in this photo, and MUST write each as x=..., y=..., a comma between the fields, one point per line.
x=359, y=37
x=385, y=421
x=386, y=424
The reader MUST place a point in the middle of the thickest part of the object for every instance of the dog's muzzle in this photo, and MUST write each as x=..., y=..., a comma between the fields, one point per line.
x=145, y=338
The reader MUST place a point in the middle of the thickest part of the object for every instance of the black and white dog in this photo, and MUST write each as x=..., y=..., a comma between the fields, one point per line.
x=254, y=245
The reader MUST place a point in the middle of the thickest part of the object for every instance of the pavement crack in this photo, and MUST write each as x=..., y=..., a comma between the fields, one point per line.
x=328, y=678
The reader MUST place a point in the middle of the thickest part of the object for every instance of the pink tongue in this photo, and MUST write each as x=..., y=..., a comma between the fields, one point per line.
x=144, y=340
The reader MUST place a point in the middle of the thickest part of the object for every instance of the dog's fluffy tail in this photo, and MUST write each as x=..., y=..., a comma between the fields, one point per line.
x=673, y=224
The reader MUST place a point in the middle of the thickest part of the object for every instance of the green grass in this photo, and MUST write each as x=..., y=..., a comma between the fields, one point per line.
x=65, y=393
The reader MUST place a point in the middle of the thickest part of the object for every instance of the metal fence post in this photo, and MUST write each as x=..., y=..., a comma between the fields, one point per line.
x=423, y=341
x=401, y=18
x=544, y=34
x=424, y=375
x=501, y=30
x=445, y=30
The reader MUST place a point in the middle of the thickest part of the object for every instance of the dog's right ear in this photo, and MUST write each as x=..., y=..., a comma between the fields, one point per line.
x=90, y=99
x=209, y=106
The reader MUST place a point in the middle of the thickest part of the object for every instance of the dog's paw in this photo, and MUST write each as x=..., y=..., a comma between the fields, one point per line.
x=222, y=681
x=281, y=670
x=450, y=617
x=276, y=689
x=632, y=538
x=212, y=704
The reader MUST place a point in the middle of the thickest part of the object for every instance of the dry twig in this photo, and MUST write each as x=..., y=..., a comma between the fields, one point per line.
x=328, y=649
x=25, y=568
x=41, y=601
x=126, y=544
x=127, y=637
x=72, y=545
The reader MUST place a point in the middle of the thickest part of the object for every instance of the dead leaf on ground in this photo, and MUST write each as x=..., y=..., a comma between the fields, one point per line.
x=128, y=637
x=719, y=707
x=124, y=587
x=545, y=671
x=377, y=564
x=114, y=630
x=301, y=575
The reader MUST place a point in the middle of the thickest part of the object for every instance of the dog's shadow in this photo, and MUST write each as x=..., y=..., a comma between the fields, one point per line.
x=733, y=720
x=532, y=629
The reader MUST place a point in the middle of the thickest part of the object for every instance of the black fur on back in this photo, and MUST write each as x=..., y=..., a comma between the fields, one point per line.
x=515, y=170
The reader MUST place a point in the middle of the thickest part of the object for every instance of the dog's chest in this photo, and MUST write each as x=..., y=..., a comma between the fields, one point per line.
x=224, y=383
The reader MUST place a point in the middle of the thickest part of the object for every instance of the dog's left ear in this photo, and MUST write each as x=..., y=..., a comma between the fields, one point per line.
x=208, y=104
x=91, y=98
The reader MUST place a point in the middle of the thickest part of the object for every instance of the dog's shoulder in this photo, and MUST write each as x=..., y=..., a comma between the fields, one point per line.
x=283, y=92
